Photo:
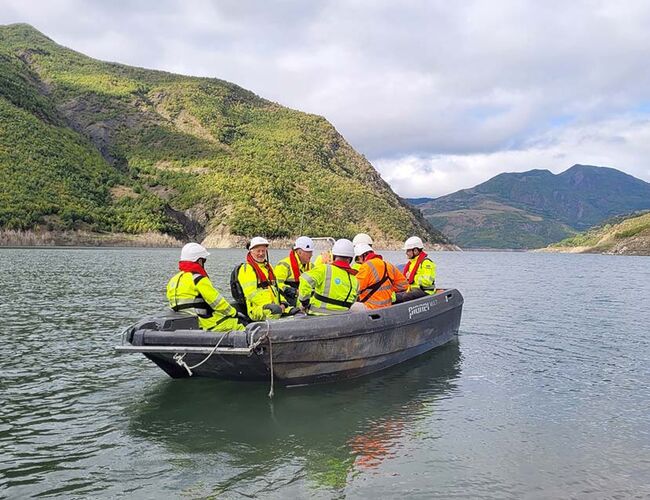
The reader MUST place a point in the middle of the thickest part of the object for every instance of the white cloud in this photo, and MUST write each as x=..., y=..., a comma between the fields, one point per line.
x=488, y=86
x=623, y=143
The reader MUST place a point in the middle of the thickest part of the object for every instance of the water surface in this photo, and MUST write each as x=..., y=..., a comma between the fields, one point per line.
x=545, y=394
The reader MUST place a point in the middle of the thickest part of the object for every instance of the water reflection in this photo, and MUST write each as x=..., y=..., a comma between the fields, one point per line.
x=325, y=433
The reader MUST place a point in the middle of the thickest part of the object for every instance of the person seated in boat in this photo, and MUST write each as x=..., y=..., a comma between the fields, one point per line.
x=360, y=239
x=330, y=288
x=191, y=291
x=289, y=269
x=420, y=271
x=379, y=281
x=258, y=283
x=324, y=257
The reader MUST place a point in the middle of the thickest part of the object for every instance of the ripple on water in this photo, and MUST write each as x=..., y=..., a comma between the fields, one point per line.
x=545, y=396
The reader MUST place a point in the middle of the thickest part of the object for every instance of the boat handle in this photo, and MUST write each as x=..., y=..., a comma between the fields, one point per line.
x=448, y=296
x=375, y=316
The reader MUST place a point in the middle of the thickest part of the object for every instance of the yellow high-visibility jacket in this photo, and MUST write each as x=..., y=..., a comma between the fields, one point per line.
x=284, y=274
x=323, y=258
x=258, y=294
x=194, y=293
x=425, y=277
x=329, y=289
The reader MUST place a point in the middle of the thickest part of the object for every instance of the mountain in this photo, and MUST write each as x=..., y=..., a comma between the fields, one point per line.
x=535, y=208
x=620, y=235
x=87, y=145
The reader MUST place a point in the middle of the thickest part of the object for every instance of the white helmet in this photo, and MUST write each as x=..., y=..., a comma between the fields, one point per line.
x=361, y=249
x=304, y=243
x=362, y=239
x=257, y=241
x=343, y=248
x=413, y=242
x=194, y=252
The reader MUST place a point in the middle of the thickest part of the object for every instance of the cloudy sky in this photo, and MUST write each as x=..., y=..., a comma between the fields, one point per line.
x=438, y=95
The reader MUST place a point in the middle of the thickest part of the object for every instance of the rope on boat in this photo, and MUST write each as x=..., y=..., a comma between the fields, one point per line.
x=271, y=392
x=179, y=358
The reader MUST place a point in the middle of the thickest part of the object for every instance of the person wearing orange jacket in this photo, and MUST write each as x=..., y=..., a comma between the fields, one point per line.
x=379, y=280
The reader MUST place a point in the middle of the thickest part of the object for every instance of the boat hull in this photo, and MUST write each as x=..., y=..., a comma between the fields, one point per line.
x=309, y=350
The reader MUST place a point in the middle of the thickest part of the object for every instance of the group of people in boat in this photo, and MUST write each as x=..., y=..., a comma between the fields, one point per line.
x=350, y=277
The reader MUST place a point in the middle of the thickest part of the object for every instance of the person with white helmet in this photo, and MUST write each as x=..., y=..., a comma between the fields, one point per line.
x=420, y=270
x=360, y=239
x=191, y=291
x=330, y=288
x=289, y=269
x=258, y=284
x=379, y=281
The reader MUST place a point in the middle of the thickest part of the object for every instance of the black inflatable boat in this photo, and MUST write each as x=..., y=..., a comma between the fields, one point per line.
x=299, y=350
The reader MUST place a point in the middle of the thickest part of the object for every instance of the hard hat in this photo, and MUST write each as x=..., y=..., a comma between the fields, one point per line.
x=343, y=248
x=361, y=249
x=257, y=241
x=413, y=242
x=362, y=239
x=304, y=243
x=194, y=252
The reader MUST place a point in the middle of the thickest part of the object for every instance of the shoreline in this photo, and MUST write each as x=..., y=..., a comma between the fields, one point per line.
x=86, y=239
x=48, y=239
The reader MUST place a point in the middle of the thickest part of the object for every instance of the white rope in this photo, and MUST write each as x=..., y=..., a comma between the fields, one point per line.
x=179, y=358
x=271, y=391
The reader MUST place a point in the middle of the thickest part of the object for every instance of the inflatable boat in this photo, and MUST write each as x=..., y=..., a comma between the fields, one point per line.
x=298, y=350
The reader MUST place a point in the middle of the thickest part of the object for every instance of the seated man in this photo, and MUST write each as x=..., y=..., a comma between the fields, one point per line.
x=324, y=257
x=379, y=281
x=289, y=269
x=420, y=271
x=258, y=283
x=190, y=290
x=330, y=288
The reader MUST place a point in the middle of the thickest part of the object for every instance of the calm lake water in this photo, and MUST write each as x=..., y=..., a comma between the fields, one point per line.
x=546, y=394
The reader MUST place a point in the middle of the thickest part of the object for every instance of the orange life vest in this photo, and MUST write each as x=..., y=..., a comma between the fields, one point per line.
x=378, y=281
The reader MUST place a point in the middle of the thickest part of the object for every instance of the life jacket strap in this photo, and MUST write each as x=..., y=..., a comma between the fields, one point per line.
x=329, y=300
x=195, y=305
x=375, y=286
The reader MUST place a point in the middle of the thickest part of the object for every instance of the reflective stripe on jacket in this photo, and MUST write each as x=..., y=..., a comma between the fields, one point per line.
x=425, y=277
x=330, y=289
x=285, y=275
x=196, y=295
x=373, y=272
x=258, y=296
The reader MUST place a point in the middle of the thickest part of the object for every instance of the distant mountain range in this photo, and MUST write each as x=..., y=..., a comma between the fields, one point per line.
x=87, y=145
x=535, y=208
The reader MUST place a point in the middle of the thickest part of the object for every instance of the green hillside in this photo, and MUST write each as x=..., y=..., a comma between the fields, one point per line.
x=95, y=146
x=621, y=235
x=535, y=208
x=495, y=225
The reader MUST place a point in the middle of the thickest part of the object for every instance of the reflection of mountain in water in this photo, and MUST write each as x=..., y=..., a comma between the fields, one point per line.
x=332, y=429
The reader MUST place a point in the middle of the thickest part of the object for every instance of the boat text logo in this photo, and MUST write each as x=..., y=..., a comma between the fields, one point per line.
x=419, y=309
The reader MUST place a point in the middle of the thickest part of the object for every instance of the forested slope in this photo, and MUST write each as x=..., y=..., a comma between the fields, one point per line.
x=90, y=145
